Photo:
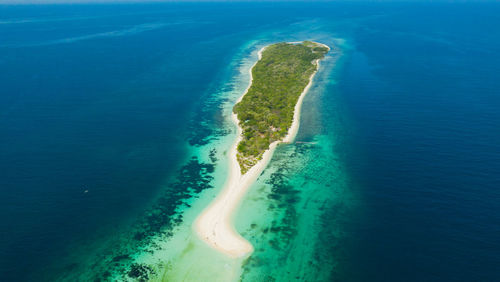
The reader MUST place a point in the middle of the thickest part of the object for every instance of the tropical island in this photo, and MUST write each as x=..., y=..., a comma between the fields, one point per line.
x=266, y=111
x=266, y=114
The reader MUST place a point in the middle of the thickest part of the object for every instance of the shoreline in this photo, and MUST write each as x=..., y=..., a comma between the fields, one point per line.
x=214, y=225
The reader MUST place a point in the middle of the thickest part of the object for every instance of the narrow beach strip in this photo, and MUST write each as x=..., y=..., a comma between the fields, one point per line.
x=214, y=225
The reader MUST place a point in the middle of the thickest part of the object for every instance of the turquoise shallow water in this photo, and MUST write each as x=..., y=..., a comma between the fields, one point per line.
x=304, y=187
x=393, y=177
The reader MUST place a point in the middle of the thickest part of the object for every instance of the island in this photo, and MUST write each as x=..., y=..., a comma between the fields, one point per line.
x=266, y=114
x=266, y=111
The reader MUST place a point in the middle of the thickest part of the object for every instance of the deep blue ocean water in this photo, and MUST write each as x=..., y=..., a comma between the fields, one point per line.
x=99, y=102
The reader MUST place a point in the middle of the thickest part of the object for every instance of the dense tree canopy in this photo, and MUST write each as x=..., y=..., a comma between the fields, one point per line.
x=266, y=111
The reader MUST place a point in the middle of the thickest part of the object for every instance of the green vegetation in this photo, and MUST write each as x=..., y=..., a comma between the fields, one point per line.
x=266, y=111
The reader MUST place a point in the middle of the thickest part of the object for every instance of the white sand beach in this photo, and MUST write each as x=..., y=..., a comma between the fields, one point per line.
x=214, y=225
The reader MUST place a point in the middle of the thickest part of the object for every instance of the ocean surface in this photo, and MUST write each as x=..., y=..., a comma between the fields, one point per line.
x=114, y=130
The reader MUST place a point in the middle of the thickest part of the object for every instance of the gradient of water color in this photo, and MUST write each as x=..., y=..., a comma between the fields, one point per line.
x=114, y=131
